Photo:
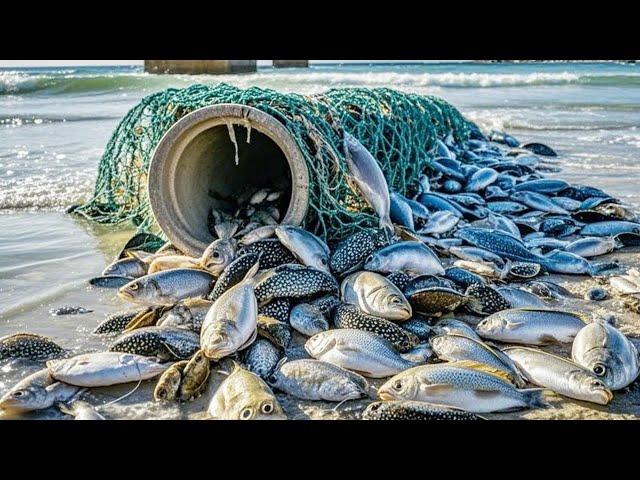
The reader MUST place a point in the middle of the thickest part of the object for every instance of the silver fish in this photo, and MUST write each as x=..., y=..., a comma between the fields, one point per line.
x=103, y=369
x=470, y=386
x=305, y=246
x=440, y=222
x=560, y=375
x=605, y=351
x=231, y=323
x=244, y=396
x=80, y=410
x=309, y=379
x=218, y=255
x=453, y=347
x=409, y=257
x=375, y=295
x=592, y=246
x=368, y=176
x=363, y=352
x=167, y=287
x=531, y=326
x=448, y=326
x=38, y=391
x=126, y=267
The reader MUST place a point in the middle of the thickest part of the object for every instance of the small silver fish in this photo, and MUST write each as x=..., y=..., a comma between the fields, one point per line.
x=375, y=295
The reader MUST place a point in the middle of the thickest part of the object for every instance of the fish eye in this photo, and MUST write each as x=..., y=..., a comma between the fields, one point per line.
x=216, y=255
x=636, y=230
x=246, y=414
x=396, y=300
x=599, y=370
x=375, y=406
x=597, y=384
x=267, y=408
x=397, y=385
x=369, y=259
x=134, y=287
x=323, y=261
x=19, y=393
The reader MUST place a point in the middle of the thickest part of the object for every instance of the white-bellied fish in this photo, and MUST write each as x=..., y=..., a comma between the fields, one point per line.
x=103, y=369
x=531, y=326
x=369, y=179
x=363, y=352
x=244, y=396
x=231, y=323
x=559, y=374
x=410, y=257
x=167, y=287
x=605, y=351
x=466, y=385
x=310, y=379
x=38, y=391
x=375, y=295
x=305, y=246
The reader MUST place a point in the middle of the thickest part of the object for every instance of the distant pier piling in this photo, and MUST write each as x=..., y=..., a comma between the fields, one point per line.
x=290, y=63
x=200, y=67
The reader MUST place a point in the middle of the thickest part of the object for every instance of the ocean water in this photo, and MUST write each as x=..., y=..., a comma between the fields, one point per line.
x=55, y=122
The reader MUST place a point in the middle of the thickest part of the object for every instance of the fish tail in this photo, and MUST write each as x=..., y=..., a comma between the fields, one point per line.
x=535, y=397
x=598, y=268
x=387, y=226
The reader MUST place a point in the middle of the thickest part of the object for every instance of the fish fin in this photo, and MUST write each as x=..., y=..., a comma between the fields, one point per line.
x=250, y=341
x=145, y=318
x=281, y=362
x=483, y=368
x=140, y=255
x=513, y=325
x=535, y=397
x=439, y=388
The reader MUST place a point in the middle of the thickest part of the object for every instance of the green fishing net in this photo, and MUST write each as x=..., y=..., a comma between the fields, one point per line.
x=399, y=129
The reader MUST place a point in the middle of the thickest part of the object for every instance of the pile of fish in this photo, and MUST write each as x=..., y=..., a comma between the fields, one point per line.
x=439, y=313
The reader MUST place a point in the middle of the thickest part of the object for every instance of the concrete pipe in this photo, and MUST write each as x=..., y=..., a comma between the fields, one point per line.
x=195, y=162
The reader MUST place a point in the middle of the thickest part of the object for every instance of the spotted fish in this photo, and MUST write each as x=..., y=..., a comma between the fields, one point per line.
x=163, y=342
x=272, y=253
x=233, y=274
x=29, y=345
x=350, y=316
x=295, y=281
x=410, y=410
x=351, y=253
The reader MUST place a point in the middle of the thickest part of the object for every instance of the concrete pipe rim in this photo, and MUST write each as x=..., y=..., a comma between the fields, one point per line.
x=173, y=143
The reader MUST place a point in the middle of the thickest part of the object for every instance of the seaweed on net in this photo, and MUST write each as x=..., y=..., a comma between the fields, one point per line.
x=399, y=129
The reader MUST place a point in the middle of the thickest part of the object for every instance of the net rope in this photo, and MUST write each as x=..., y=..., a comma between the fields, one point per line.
x=399, y=129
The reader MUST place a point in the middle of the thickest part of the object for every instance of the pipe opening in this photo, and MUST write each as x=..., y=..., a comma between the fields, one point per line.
x=194, y=169
x=207, y=175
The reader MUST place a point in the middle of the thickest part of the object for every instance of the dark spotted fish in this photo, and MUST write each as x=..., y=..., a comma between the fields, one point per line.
x=418, y=327
x=278, y=332
x=350, y=316
x=30, y=346
x=272, y=253
x=524, y=269
x=262, y=357
x=233, y=274
x=280, y=308
x=295, y=281
x=485, y=300
x=168, y=343
x=412, y=410
x=352, y=252
x=463, y=278
x=69, y=310
x=399, y=279
x=498, y=242
x=117, y=322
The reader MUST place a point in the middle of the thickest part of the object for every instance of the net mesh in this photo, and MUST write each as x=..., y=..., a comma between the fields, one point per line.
x=398, y=128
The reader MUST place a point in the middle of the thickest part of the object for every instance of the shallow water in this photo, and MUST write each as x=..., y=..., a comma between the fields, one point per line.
x=54, y=124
